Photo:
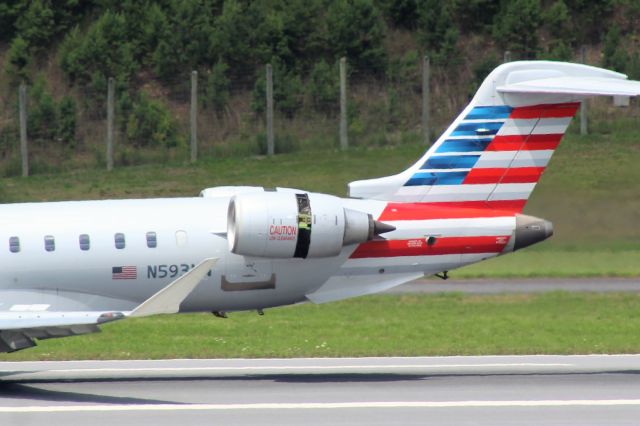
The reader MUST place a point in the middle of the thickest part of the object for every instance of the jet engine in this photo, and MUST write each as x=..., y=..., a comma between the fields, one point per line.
x=295, y=224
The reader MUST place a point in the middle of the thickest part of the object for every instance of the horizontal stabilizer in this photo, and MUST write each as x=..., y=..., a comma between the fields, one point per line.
x=168, y=300
x=587, y=86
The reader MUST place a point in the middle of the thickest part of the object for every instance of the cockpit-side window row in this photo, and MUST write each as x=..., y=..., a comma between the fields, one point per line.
x=84, y=241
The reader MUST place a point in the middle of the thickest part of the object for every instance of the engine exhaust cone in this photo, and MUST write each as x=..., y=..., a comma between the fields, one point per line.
x=381, y=227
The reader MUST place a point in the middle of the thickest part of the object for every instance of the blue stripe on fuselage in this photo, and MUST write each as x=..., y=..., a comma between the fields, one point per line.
x=463, y=145
x=437, y=178
x=451, y=162
x=489, y=113
x=477, y=129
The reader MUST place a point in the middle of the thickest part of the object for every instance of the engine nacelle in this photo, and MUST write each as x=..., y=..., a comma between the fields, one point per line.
x=294, y=224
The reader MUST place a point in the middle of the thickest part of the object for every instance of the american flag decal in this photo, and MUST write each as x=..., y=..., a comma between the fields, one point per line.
x=124, y=273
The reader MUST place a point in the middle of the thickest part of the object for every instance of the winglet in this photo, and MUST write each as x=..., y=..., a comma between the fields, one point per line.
x=168, y=300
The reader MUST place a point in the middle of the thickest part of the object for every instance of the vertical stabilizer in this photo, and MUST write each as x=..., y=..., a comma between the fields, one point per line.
x=495, y=152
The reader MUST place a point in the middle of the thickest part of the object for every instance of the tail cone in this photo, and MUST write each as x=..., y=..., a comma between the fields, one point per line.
x=531, y=230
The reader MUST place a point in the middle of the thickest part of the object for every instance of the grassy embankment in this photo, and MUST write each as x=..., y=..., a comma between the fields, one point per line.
x=450, y=324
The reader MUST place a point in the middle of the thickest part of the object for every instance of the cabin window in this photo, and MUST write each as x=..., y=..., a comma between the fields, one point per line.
x=49, y=243
x=181, y=238
x=152, y=240
x=14, y=244
x=119, y=240
x=85, y=242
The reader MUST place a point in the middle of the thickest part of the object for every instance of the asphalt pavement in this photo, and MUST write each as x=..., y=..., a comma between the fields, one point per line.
x=493, y=390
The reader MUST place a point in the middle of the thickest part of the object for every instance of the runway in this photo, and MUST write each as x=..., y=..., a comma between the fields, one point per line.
x=494, y=390
x=519, y=285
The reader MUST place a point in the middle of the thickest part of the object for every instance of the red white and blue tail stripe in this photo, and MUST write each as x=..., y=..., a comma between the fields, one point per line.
x=497, y=157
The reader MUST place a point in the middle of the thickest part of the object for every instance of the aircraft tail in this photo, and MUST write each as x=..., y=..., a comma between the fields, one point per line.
x=494, y=153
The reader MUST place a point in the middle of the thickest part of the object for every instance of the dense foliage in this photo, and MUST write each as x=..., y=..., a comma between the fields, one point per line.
x=171, y=37
x=230, y=41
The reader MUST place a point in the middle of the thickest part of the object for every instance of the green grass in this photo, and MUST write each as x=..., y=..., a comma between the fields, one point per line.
x=323, y=171
x=533, y=263
x=591, y=191
x=410, y=325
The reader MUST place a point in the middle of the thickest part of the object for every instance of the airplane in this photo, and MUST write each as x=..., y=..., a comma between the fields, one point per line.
x=71, y=266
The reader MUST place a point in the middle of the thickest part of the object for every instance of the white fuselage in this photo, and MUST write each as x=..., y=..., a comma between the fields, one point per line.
x=187, y=230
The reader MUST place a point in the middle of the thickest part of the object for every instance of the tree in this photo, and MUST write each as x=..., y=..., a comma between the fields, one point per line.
x=232, y=37
x=615, y=55
x=166, y=35
x=590, y=18
x=9, y=12
x=150, y=124
x=558, y=50
x=287, y=90
x=17, y=59
x=168, y=57
x=218, y=84
x=437, y=32
x=195, y=24
x=154, y=29
x=37, y=25
x=67, y=13
x=356, y=30
x=103, y=52
x=474, y=15
x=248, y=34
x=66, y=121
x=323, y=87
x=558, y=23
x=50, y=121
x=401, y=13
x=405, y=70
x=516, y=27
x=303, y=32
x=42, y=111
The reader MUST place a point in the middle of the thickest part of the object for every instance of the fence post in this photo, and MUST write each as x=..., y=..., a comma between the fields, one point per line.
x=194, y=116
x=110, y=121
x=507, y=56
x=425, y=99
x=24, y=152
x=583, y=104
x=344, y=141
x=270, y=143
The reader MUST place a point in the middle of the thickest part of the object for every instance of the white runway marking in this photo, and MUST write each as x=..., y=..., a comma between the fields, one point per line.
x=322, y=406
x=305, y=367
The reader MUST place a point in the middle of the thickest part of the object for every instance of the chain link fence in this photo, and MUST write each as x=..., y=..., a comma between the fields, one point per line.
x=67, y=128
